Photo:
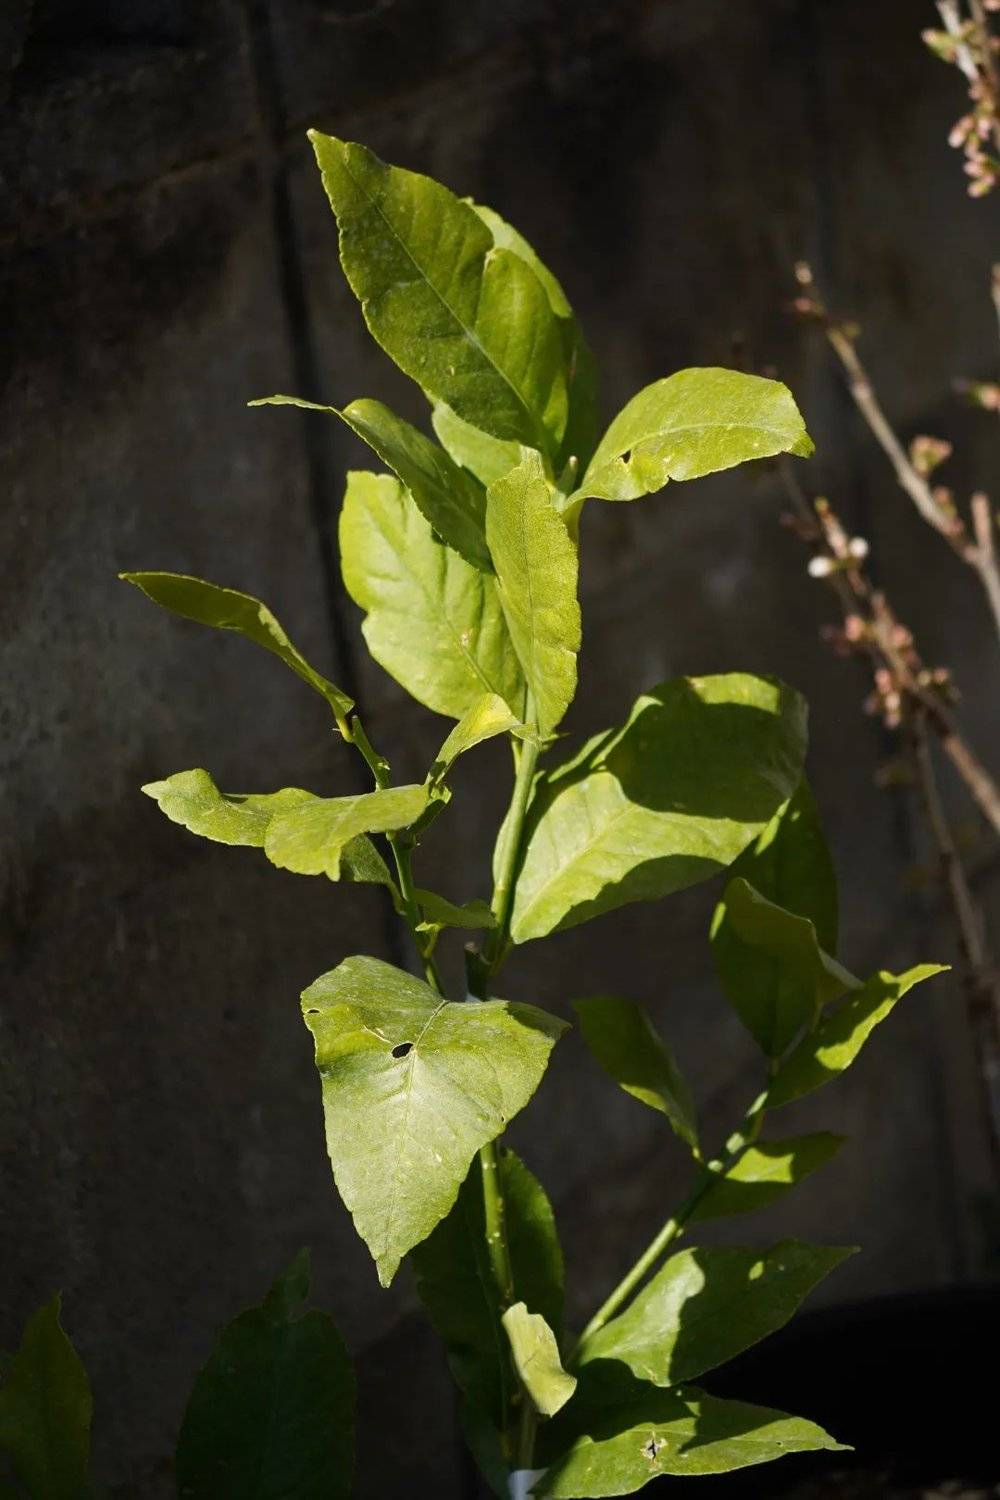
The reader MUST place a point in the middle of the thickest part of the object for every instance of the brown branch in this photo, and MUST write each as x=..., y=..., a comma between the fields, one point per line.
x=935, y=506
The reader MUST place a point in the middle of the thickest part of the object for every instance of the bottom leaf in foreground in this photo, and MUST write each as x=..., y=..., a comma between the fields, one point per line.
x=272, y=1413
x=683, y=1432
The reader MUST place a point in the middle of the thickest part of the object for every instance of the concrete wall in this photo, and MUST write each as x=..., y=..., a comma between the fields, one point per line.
x=167, y=254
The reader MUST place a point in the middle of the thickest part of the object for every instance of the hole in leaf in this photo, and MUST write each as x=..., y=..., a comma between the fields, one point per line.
x=313, y=1012
x=402, y=1048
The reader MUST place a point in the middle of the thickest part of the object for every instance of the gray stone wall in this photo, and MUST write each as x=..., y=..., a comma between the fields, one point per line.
x=166, y=254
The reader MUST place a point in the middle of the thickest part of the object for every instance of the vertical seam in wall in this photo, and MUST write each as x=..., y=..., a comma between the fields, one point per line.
x=846, y=420
x=305, y=365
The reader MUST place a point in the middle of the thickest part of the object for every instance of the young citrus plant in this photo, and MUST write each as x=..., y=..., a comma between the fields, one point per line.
x=462, y=553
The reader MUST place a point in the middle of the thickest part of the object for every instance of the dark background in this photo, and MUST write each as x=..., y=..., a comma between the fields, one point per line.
x=167, y=254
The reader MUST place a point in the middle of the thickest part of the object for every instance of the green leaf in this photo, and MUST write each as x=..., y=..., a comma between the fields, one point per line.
x=673, y=797
x=536, y=1358
x=684, y=1433
x=580, y=436
x=440, y=912
x=488, y=716
x=814, y=979
x=272, y=1412
x=192, y=799
x=841, y=1034
x=624, y=1041
x=790, y=865
x=311, y=838
x=456, y=1284
x=45, y=1411
x=764, y=1172
x=488, y=458
x=690, y=424
x=228, y=609
x=433, y=622
x=450, y=499
x=703, y=1307
x=536, y=567
x=413, y=1086
x=469, y=322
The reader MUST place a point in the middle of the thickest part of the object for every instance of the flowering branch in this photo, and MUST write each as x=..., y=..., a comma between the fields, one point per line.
x=968, y=43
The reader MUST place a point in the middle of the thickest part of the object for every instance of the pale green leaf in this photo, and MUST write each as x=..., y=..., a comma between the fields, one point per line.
x=765, y=1172
x=684, y=1433
x=488, y=458
x=228, y=609
x=536, y=568
x=488, y=716
x=703, y=1307
x=690, y=424
x=580, y=436
x=673, y=797
x=272, y=1412
x=624, y=1041
x=437, y=911
x=433, y=621
x=841, y=1033
x=45, y=1411
x=413, y=1086
x=469, y=322
x=457, y=1287
x=790, y=942
x=536, y=1359
x=451, y=500
x=310, y=839
x=790, y=865
x=192, y=799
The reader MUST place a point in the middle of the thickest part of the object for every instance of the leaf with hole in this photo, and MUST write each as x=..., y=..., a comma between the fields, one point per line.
x=671, y=798
x=433, y=621
x=705, y=1306
x=765, y=1172
x=691, y=424
x=470, y=322
x=790, y=865
x=620, y=1035
x=228, y=609
x=536, y=1358
x=841, y=1033
x=413, y=1086
x=45, y=1411
x=536, y=568
x=272, y=1412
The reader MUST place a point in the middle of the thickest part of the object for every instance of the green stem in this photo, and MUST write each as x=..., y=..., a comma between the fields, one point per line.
x=672, y=1230
x=510, y=855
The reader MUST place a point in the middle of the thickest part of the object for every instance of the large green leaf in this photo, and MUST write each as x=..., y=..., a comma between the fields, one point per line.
x=310, y=839
x=536, y=568
x=840, y=1035
x=624, y=1041
x=228, y=609
x=413, y=1086
x=470, y=322
x=192, y=799
x=456, y=1284
x=766, y=1171
x=657, y=1432
x=703, y=1307
x=580, y=436
x=272, y=1412
x=433, y=621
x=690, y=424
x=449, y=497
x=673, y=797
x=790, y=865
x=45, y=1410
x=536, y=1359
